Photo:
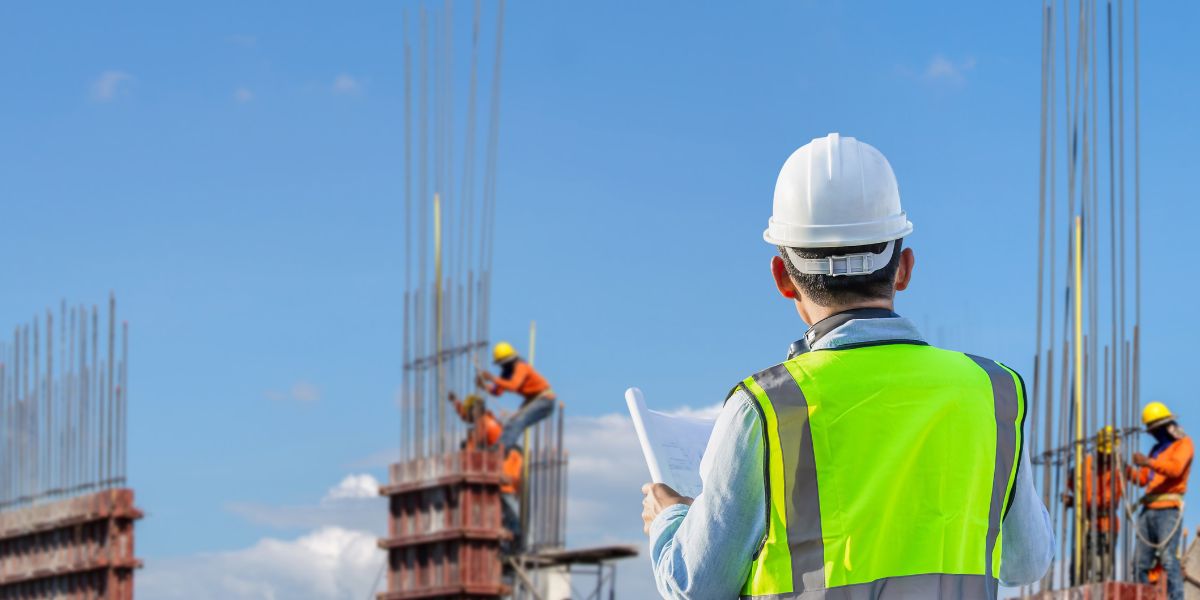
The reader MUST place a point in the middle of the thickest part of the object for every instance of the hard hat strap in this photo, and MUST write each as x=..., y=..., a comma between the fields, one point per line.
x=861, y=263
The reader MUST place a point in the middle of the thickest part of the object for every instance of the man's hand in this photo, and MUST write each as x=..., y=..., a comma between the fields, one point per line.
x=482, y=378
x=1140, y=459
x=659, y=497
x=1068, y=500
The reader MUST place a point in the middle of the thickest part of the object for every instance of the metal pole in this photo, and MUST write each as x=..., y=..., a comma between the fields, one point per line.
x=112, y=316
x=1078, y=394
x=6, y=434
x=95, y=385
x=440, y=388
x=52, y=472
x=123, y=415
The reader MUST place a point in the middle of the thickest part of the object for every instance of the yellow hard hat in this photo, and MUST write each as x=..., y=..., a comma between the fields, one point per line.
x=471, y=401
x=503, y=352
x=1107, y=440
x=1155, y=412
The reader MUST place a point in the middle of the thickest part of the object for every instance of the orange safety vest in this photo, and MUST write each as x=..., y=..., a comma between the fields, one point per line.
x=524, y=380
x=1103, y=506
x=1167, y=474
x=512, y=472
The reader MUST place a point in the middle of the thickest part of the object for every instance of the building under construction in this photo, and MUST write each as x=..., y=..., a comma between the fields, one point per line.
x=446, y=532
x=1085, y=395
x=66, y=511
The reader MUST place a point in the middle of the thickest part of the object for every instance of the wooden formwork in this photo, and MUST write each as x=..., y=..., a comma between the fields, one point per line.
x=444, y=527
x=81, y=547
x=1109, y=590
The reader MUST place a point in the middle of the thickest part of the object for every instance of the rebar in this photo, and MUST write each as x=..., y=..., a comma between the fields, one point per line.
x=446, y=232
x=1098, y=366
x=55, y=443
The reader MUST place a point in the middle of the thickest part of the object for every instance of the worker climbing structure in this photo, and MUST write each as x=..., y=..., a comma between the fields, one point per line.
x=447, y=536
x=1085, y=394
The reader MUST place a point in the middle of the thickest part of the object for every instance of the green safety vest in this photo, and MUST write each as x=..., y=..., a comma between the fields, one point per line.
x=888, y=469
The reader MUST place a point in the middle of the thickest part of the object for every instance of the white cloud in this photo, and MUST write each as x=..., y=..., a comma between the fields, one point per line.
x=243, y=94
x=354, y=503
x=336, y=557
x=704, y=412
x=604, y=501
x=304, y=392
x=329, y=563
x=346, y=84
x=353, y=486
x=941, y=68
x=110, y=85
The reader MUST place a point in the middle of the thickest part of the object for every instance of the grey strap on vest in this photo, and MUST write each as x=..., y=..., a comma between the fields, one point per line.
x=1004, y=394
x=924, y=587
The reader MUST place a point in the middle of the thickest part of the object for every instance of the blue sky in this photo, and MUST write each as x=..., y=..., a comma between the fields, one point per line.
x=233, y=173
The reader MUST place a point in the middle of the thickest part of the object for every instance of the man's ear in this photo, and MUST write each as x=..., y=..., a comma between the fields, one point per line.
x=783, y=281
x=905, y=270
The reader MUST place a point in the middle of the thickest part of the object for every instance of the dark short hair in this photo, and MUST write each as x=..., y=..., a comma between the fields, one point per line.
x=828, y=290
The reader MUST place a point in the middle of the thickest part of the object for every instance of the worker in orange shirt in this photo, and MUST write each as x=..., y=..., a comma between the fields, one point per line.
x=518, y=376
x=485, y=433
x=1102, y=483
x=474, y=411
x=1164, y=474
x=510, y=498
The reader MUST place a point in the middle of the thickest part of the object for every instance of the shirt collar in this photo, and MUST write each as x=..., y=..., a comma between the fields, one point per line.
x=856, y=326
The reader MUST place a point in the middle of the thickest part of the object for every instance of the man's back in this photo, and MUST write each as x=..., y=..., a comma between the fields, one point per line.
x=883, y=424
x=873, y=465
x=897, y=460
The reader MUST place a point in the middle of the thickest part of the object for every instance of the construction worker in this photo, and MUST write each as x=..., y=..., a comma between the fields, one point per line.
x=1102, y=483
x=869, y=464
x=485, y=433
x=1164, y=474
x=510, y=498
x=474, y=411
x=518, y=376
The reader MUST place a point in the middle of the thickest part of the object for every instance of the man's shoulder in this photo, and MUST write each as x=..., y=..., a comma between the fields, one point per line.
x=941, y=360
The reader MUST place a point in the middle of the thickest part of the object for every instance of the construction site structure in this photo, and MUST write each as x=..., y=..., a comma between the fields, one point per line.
x=446, y=494
x=1085, y=395
x=66, y=514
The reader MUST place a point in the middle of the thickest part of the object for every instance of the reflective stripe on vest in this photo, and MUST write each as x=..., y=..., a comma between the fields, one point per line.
x=888, y=470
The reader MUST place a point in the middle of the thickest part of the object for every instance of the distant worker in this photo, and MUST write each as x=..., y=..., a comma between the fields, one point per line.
x=1164, y=474
x=485, y=433
x=869, y=464
x=474, y=411
x=1102, y=483
x=518, y=376
x=510, y=499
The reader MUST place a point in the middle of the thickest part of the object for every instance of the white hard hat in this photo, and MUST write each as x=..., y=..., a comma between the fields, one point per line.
x=836, y=192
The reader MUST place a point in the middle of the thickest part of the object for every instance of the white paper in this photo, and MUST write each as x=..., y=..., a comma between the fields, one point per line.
x=673, y=445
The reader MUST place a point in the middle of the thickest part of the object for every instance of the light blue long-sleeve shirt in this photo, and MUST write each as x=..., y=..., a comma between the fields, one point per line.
x=705, y=550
